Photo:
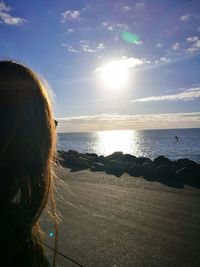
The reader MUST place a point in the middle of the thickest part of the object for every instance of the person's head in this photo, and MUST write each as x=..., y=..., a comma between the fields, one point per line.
x=27, y=154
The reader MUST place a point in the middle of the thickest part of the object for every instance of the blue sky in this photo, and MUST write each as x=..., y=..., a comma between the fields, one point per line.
x=68, y=41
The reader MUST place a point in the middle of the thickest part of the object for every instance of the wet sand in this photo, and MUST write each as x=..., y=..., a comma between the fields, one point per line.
x=126, y=222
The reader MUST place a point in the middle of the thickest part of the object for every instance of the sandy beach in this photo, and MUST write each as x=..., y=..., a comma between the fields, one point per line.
x=126, y=221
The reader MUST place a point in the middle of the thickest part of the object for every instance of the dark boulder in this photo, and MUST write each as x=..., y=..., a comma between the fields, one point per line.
x=129, y=158
x=161, y=160
x=127, y=165
x=76, y=163
x=164, y=171
x=180, y=163
x=101, y=159
x=136, y=170
x=148, y=168
x=115, y=167
x=141, y=160
x=190, y=171
x=114, y=156
x=91, y=156
x=73, y=153
x=96, y=167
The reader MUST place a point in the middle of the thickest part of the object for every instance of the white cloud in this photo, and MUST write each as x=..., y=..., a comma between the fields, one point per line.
x=139, y=4
x=114, y=26
x=70, y=48
x=125, y=122
x=85, y=46
x=125, y=62
x=4, y=7
x=159, y=45
x=105, y=23
x=71, y=15
x=192, y=39
x=101, y=46
x=132, y=62
x=176, y=46
x=126, y=8
x=163, y=60
x=138, y=42
x=70, y=30
x=195, y=44
x=185, y=17
x=188, y=95
x=6, y=18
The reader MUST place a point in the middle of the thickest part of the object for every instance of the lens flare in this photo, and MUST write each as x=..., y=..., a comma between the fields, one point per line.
x=130, y=37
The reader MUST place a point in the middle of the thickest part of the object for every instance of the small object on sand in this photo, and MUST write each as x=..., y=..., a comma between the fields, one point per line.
x=176, y=137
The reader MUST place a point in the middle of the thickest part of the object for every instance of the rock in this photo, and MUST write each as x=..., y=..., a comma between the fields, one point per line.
x=101, y=159
x=164, y=171
x=180, y=163
x=61, y=157
x=136, y=170
x=72, y=153
x=115, y=156
x=161, y=160
x=148, y=168
x=129, y=158
x=96, y=166
x=115, y=167
x=91, y=156
x=141, y=160
x=76, y=163
x=190, y=171
x=127, y=165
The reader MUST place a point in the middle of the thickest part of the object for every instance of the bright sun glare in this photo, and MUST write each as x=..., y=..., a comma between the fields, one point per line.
x=114, y=75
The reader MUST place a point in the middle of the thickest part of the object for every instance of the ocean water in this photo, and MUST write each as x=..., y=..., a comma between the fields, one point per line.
x=147, y=143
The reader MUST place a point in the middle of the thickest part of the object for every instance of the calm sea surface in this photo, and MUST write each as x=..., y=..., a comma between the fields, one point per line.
x=148, y=143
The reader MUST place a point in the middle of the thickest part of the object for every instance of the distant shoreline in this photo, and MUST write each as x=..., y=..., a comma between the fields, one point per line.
x=86, y=132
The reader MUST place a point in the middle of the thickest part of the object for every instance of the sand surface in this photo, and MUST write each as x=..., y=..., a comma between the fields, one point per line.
x=126, y=222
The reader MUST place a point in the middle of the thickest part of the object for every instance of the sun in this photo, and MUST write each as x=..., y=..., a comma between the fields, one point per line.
x=114, y=75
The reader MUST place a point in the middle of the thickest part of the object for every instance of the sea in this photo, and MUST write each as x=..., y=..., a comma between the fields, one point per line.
x=172, y=143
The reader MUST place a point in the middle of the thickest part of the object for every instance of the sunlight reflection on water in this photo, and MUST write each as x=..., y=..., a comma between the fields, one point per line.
x=110, y=141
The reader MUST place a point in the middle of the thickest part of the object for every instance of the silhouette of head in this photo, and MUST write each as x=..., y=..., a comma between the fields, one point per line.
x=27, y=153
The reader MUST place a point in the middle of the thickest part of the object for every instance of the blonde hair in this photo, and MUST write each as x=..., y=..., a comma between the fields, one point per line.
x=27, y=161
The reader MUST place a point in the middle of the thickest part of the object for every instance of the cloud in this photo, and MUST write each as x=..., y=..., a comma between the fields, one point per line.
x=188, y=95
x=159, y=45
x=192, y=39
x=126, y=8
x=163, y=60
x=115, y=26
x=70, y=30
x=4, y=7
x=70, y=48
x=101, y=46
x=71, y=15
x=124, y=62
x=6, y=18
x=195, y=44
x=84, y=46
x=139, y=4
x=176, y=46
x=128, y=122
x=185, y=17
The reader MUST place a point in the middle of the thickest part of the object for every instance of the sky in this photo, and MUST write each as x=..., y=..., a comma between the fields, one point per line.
x=70, y=42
